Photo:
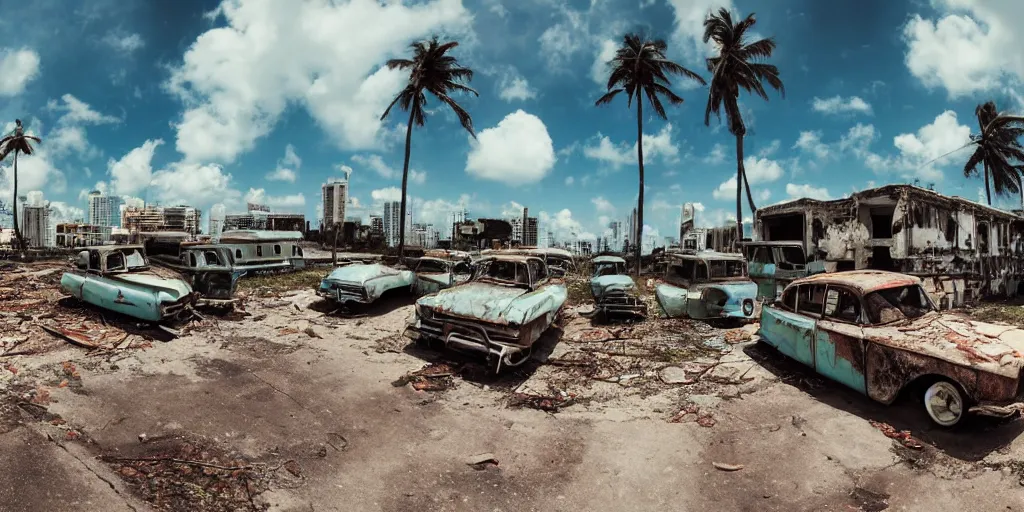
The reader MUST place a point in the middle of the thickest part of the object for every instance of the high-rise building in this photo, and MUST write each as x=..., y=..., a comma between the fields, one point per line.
x=391, y=222
x=376, y=225
x=335, y=193
x=35, y=222
x=104, y=210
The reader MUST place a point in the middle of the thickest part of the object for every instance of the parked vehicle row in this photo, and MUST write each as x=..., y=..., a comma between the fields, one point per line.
x=878, y=333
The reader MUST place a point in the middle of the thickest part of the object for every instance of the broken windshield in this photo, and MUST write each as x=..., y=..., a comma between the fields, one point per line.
x=724, y=269
x=509, y=272
x=432, y=267
x=126, y=260
x=895, y=304
x=609, y=269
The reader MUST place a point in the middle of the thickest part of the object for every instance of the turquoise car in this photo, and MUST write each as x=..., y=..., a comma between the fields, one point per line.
x=119, y=278
x=363, y=282
x=435, y=274
x=773, y=265
x=503, y=309
x=880, y=334
x=707, y=285
x=615, y=293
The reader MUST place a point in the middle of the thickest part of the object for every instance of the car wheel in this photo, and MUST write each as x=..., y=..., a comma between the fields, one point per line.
x=944, y=403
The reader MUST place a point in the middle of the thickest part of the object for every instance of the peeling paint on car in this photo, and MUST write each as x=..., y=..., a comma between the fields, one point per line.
x=363, y=283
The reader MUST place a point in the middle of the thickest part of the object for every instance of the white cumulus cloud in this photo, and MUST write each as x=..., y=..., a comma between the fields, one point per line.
x=517, y=151
x=18, y=67
x=841, y=105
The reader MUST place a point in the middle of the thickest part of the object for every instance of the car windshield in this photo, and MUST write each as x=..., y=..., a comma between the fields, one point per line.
x=895, y=304
x=794, y=255
x=126, y=260
x=608, y=269
x=506, y=272
x=722, y=269
x=432, y=266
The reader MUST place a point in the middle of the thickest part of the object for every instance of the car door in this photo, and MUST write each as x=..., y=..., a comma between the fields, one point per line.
x=696, y=307
x=672, y=295
x=789, y=325
x=96, y=289
x=839, y=339
x=761, y=268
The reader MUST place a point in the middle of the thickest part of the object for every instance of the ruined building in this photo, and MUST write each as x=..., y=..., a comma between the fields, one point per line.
x=961, y=249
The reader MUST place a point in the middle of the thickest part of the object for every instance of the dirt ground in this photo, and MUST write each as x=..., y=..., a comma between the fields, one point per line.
x=292, y=406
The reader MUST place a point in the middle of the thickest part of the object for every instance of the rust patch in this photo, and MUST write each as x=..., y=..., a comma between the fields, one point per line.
x=850, y=349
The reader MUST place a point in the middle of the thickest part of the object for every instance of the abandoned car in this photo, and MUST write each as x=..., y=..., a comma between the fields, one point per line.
x=773, y=265
x=879, y=333
x=501, y=312
x=363, y=283
x=559, y=261
x=707, y=285
x=119, y=278
x=256, y=250
x=615, y=293
x=435, y=274
x=208, y=269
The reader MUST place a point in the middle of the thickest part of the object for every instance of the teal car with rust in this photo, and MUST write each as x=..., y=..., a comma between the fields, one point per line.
x=707, y=285
x=119, y=278
x=880, y=334
x=363, y=283
x=615, y=293
x=773, y=265
x=505, y=307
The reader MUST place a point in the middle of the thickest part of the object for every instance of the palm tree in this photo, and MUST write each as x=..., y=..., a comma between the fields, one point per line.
x=998, y=150
x=17, y=142
x=640, y=68
x=431, y=70
x=737, y=65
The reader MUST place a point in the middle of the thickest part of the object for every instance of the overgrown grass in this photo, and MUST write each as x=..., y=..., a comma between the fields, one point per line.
x=1012, y=314
x=280, y=282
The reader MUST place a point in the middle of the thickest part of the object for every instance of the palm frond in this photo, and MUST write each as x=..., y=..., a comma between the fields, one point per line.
x=972, y=163
x=608, y=97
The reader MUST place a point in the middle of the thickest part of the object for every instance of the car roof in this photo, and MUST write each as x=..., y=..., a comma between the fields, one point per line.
x=609, y=259
x=111, y=248
x=864, y=281
x=707, y=255
x=520, y=258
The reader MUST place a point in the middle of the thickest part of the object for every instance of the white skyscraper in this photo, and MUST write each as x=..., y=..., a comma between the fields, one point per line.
x=104, y=210
x=335, y=193
x=391, y=219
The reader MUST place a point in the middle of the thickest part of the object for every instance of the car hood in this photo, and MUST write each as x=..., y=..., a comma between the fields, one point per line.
x=176, y=288
x=602, y=285
x=479, y=301
x=997, y=348
x=360, y=273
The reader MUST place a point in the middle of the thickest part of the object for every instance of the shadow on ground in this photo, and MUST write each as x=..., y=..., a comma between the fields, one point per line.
x=971, y=440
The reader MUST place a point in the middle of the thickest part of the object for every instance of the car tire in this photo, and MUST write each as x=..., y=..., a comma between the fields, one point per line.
x=945, y=403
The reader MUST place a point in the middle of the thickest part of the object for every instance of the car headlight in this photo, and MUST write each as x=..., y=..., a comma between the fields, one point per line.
x=748, y=307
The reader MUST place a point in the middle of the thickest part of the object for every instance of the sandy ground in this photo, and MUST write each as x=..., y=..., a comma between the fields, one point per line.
x=305, y=401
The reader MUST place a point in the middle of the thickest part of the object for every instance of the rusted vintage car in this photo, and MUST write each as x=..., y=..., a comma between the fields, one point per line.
x=363, y=283
x=118, y=278
x=436, y=273
x=208, y=269
x=500, y=312
x=879, y=333
x=615, y=293
x=706, y=285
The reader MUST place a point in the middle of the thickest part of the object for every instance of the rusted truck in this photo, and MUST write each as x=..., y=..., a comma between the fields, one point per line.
x=500, y=312
x=880, y=334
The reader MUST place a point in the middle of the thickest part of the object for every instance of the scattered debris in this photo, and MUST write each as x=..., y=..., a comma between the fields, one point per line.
x=481, y=461
x=311, y=333
x=904, y=437
x=727, y=467
x=432, y=377
x=869, y=501
x=549, y=403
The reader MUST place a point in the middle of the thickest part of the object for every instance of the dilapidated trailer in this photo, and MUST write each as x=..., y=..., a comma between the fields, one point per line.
x=961, y=249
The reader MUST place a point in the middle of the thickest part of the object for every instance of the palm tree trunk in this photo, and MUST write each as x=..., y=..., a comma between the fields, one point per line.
x=405, y=183
x=17, y=227
x=743, y=171
x=640, y=198
x=988, y=192
x=739, y=190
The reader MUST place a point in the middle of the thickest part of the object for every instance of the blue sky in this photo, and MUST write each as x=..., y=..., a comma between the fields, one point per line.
x=219, y=103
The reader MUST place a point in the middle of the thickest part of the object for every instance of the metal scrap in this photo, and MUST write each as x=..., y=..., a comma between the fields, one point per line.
x=432, y=377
